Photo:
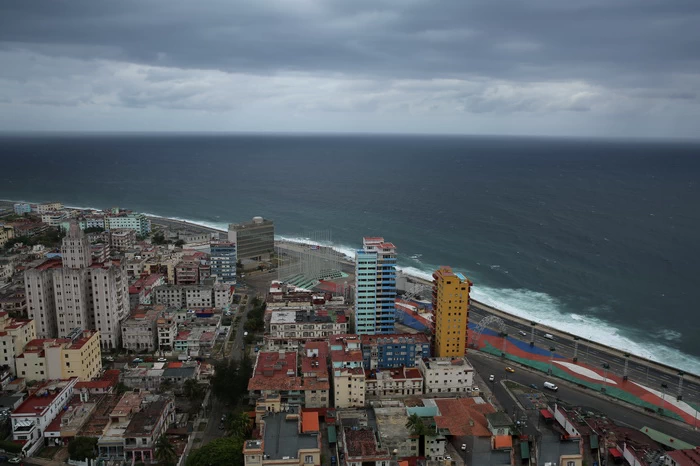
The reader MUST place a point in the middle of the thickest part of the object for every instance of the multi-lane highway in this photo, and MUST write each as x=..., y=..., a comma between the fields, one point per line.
x=664, y=379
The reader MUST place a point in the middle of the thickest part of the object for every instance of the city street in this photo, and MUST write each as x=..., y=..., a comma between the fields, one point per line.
x=573, y=395
x=647, y=373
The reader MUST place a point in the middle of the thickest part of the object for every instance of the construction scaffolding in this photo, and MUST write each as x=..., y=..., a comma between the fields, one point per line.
x=305, y=263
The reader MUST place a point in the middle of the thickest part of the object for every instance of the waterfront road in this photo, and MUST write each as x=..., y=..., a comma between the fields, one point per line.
x=572, y=395
x=664, y=379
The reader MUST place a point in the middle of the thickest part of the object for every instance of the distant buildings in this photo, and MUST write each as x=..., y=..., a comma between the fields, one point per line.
x=223, y=261
x=451, y=305
x=375, y=287
x=254, y=240
x=131, y=221
x=41, y=209
x=22, y=208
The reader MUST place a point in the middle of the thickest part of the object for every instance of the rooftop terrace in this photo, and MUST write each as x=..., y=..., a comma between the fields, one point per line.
x=282, y=437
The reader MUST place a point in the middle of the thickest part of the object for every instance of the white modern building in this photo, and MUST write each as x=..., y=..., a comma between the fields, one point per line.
x=446, y=375
x=37, y=411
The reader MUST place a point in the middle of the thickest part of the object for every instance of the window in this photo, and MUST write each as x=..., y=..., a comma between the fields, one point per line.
x=309, y=459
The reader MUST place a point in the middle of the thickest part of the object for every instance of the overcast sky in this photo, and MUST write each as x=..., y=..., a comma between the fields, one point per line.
x=538, y=67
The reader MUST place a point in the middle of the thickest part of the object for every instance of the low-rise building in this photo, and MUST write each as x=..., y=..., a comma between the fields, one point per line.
x=361, y=448
x=122, y=239
x=286, y=439
x=45, y=207
x=499, y=423
x=145, y=428
x=140, y=331
x=195, y=341
x=132, y=221
x=22, y=208
x=393, y=383
x=180, y=296
x=31, y=419
x=15, y=334
x=348, y=372
x=142, y=289
x=392, y=427
x=394, y=350
x=54, y=219
x=289, y=329
x=167, y=331
x=14, y=302
x=223, y=296
x=446, y=375
x=187, y=273
x=684, y=457
x=143, y=377
x=77, y=356
x=275, y=373
x=315, y=377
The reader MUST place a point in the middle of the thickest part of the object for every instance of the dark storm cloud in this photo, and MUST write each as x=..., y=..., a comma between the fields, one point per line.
x=613, y=43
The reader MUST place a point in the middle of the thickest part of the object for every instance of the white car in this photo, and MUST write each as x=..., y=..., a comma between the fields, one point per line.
x=523, y=333
x=162, y=360
x=492, y=378
x=245, y=334
x=448, y=458
x=464, y=447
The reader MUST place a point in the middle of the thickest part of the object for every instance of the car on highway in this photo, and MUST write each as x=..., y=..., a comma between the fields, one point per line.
x=492, y=378
x=510, y=369
x=523, y=333
x=532, y=385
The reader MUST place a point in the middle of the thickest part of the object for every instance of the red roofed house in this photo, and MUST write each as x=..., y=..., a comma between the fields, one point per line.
x=31, y=419
x=688, y=457
x=276, y=373
x=14, y=335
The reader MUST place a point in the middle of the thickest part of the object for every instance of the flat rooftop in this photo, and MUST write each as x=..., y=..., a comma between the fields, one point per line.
x=282, y=437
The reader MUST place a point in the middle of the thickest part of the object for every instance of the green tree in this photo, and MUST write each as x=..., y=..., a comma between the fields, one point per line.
x=192, y=389
x=81, y=448
x=417, y=427
x=165, y=452
x=180, y=243
x=225, y=450
x=240, y=425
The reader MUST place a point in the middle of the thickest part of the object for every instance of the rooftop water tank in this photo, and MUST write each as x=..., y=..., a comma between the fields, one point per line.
x=257, y=219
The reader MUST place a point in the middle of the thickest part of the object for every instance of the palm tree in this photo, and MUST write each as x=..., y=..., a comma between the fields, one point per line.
x=165, y=452
x=415, y=424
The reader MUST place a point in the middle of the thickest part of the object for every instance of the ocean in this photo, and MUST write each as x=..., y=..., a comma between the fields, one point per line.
x=596, y=237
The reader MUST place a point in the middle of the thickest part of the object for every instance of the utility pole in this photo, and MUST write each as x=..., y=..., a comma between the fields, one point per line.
x=680, y=385
x=606, y=366
x=532, y=333
x=576, y=339
x=551, y=358
x=663, y=397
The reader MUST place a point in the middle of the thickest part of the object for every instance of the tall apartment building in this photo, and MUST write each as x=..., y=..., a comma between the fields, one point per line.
x=75, y=293
x=451, y=305
x=254, y=240
x=223, y=261
x=375, y=287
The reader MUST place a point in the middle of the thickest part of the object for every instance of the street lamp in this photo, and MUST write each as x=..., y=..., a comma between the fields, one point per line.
x=576, y=339
x=680, y=385
x=505, y=340
x=532, y=333
x=624, y=372
x=606, y=366
x=663, y=397
x=551, y=358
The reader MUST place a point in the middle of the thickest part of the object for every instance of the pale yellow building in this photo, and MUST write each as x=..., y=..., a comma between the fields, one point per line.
x=14, y=336
x=451, y=305
x=79, y=355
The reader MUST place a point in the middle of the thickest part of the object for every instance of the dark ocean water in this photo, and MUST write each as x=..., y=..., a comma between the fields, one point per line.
x=596, y=237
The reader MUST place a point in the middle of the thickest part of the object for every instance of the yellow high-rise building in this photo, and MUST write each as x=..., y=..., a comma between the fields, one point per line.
x=451, y=307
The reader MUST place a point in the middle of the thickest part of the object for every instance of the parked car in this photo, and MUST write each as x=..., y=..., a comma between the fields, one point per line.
x=510, y=369
x=162, y=360
x=532, y=385
x=492, y=378
x=109, y=358
x=137, y=361
x=15, y=460
x=464, y=447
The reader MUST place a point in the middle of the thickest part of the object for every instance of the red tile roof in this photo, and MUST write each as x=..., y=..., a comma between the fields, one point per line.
x=689, y=457
x=458, y=414
x=309, y=421
x=275, y=371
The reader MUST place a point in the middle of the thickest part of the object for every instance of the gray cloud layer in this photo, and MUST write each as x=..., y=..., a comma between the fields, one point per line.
x=409, y=64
